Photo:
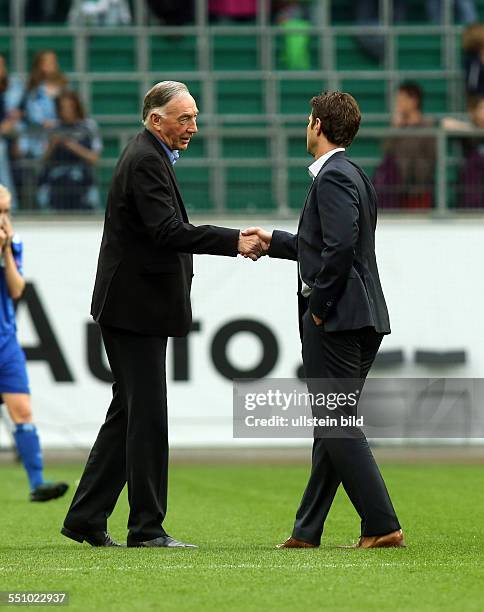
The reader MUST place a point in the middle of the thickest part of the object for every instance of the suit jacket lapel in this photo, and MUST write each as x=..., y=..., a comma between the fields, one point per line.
x=172, y=176
x=170, y=171
x=313, y=183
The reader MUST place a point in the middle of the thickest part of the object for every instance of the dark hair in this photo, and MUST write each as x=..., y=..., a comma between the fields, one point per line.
x=339, y=114
x=73, y=97
x=36, y=73
x=413, y=90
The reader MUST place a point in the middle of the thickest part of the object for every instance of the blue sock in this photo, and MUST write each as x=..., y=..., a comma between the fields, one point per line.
x=28, y=446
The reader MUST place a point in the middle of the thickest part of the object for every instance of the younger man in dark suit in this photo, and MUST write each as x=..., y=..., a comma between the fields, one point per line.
x=342, y=317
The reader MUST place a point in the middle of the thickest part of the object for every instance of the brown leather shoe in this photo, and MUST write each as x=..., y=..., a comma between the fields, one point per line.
x=389, y=540
x=293, y=543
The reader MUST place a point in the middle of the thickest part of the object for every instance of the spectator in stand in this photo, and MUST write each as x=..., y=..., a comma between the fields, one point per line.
x=45, y=83
x=405, y=178
x=470, y=182
x=46, y=11
x=67, y=180
x=11, y=91
x=366, y=13
x=232, y=10
x=109, y=13
x=295, y=49
x=473, y=46
x=173, y=12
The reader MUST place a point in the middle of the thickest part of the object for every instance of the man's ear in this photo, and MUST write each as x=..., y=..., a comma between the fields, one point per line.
x=319, y=127
x=155, y=120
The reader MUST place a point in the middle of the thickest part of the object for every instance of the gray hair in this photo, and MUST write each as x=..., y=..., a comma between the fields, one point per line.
x=159, y=96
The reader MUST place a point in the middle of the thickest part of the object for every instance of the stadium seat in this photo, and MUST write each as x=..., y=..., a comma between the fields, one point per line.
x=115, y=98
x=299, y=183
x=111, y=147
x=195, y=187
x=172, y=53
x=5, y=50
x=4, y=12
x=245, y=147
x=435, y=95
x=235, y=52
x=370, y=95
x=295, y=94
x=63, y=46
x=249, y=189
x=416, y=52
x=366, y=147
x=111, y=54
x=240, y=97
x=350, y=56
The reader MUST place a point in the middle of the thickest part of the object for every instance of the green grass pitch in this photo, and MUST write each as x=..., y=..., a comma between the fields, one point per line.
x=237, y=514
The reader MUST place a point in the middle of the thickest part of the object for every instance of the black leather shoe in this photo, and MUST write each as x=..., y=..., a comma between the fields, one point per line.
x=48, y=490
x=162, y=542
x=97, y=538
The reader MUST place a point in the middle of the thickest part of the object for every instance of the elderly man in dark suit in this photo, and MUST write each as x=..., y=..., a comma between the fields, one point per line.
x=342, y=316
x=141, y=297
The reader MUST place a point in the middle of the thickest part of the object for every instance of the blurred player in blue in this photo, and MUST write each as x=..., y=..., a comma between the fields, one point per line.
x=14, y=383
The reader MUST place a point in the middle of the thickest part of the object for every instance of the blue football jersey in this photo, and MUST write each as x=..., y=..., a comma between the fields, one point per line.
x=7, y=310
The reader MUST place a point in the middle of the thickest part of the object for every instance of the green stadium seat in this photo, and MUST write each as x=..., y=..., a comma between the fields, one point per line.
x=111, y=54
x=111, y=147
x=299, y=183
x=195, y=187
x=249, y=189
x=197, y=149
x=5, y=50
x=295, y=95
x=170, y=53
x=249, y=147
x=240, y=97
x=366, y=146
x=350, y=56
x=296, y=146
x=4, y=12
x=480, y=10
x=435, y=95
x=63, y=46
x=235, y=52
x=415, y=52
x=104, y=174
x=370, y=94
x=115, y=98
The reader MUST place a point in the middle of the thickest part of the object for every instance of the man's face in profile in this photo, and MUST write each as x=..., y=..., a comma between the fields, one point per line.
x=312, y=133
x=179, y=122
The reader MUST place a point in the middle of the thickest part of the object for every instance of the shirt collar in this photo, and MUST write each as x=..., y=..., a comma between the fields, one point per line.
x=316, y=166
x=172, y=155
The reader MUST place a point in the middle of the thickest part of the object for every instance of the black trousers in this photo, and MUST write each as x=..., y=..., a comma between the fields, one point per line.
x=347, y=460
x=132, y=444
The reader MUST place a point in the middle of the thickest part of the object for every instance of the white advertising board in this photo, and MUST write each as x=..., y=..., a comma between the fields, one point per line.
x=245, y=319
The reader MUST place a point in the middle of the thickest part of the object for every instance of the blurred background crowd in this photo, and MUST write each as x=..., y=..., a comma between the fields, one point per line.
x=58, y=99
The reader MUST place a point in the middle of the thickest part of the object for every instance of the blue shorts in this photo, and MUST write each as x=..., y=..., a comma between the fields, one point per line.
x=13, y=366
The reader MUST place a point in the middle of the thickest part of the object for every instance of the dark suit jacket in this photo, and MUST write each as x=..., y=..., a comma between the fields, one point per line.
x=145, y=265
x=335, y=248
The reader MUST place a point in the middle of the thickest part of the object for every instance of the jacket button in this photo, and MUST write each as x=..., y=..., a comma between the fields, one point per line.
x=328, y=303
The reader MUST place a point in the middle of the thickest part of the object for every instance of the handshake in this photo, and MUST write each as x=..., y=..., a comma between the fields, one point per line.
x=254, y=242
